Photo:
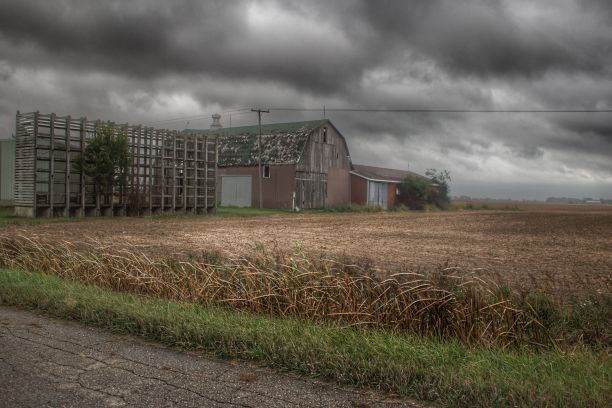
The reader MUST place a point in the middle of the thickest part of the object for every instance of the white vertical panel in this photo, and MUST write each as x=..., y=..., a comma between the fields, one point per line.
x=236, y=191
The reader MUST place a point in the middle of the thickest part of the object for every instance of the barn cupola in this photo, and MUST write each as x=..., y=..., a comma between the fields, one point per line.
x=216, y=123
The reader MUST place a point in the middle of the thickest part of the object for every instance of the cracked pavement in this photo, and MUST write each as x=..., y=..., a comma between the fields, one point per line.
x=46, y=362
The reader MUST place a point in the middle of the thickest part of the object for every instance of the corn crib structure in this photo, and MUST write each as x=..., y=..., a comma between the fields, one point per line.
x=170, y=171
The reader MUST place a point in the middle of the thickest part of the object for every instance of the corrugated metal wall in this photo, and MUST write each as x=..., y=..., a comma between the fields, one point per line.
x=7, y=171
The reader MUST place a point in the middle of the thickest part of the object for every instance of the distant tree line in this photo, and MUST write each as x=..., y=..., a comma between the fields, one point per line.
x=571, y=200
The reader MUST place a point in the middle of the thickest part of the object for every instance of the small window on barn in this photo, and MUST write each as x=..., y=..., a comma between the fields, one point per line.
x=266, y=171
x=324, y=135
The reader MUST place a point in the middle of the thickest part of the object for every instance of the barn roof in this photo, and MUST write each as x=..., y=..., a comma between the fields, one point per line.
x=282, y=143
x=383, y=174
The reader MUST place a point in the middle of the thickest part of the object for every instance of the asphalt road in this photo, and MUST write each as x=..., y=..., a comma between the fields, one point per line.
x=46, y=362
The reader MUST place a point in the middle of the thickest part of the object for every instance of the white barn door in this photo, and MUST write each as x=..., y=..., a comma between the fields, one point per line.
x=377, y=194
x=236, y=191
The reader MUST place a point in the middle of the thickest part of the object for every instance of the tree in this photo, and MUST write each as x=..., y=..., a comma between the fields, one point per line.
x=106, y=159
x=416, y=191
x=439, y=189
x=413, y=192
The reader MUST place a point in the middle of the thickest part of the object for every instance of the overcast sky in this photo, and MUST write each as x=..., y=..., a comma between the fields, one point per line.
x=145, y=61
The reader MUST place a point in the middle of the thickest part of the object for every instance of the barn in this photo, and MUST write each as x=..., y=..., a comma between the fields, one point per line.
x=376, y=185
x=305, y=165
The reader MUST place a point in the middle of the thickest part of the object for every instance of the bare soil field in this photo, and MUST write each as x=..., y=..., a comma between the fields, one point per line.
x=532, y=206
x=564, y=249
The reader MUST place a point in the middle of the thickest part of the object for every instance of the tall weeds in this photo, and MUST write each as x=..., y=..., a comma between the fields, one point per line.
x=439, y=306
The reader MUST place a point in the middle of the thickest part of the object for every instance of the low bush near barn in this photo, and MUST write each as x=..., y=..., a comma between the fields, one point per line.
x=438, y=306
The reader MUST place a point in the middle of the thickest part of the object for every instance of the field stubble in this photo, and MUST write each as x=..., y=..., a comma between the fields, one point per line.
x=565, y=251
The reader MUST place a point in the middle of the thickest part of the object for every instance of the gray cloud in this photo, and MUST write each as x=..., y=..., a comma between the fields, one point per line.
x=142, y=61
x=485, y=38
x=153, y=39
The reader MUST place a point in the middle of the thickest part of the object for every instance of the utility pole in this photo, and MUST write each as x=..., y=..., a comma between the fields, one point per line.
x=259, y=112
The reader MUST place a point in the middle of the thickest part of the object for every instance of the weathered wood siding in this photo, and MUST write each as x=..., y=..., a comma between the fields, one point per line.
x=170, y=171
x=322, y=176
x=359, y=190
x=391, y=194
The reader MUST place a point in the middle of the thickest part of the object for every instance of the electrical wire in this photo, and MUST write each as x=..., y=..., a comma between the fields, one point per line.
x=386, y=110
x=196, y=117
x=240, y=111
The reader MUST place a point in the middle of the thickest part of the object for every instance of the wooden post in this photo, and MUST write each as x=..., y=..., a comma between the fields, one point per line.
x=216, y=171
x=196, y=165
x=68, y=168
x=205, y=174
x=51, y=189
x=34, y=203
x=138, y=189
x=143, y=154
x=109, y=193
x=260, y=177
x=82, y=174
x=174, y=173
x=132, y=189
x=162, y=138
x=123, y=186
x=185, y=173
x=149, y=154
x=96, y=186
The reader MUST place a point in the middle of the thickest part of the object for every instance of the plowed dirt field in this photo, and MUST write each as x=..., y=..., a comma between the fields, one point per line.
x=566, y=251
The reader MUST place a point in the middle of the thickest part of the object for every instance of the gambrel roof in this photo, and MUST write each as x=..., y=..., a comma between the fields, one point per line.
x=282, y=143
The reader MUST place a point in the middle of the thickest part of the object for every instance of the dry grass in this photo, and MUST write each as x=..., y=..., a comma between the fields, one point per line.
x=564, y=250
x=440, y=306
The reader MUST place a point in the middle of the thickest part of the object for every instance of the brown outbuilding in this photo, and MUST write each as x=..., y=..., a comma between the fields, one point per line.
x=376, y=185
x=305, y=165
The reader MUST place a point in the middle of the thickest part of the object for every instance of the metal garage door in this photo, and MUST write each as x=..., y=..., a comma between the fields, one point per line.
x=236, y=191
x=377, y=194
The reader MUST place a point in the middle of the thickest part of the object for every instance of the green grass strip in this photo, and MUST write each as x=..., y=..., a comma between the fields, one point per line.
x=448, y=373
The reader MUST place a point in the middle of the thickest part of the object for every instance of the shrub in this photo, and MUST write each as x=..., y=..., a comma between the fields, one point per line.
x=417, y=191
x=437, y=194
x=413, y=192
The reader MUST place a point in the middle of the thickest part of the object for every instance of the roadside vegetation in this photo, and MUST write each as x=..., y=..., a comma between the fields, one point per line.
x=8, y=217
x=447, y=372
x=438, y=306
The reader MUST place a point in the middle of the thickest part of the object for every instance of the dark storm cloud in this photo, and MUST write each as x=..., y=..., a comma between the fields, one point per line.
x=148, y=60
x=159, y=38
x=155, y=38
x=483, y=37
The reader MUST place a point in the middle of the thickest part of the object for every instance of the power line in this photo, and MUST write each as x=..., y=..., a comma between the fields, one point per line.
x=325, y=110
x=386, y=110
x=201, y=116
